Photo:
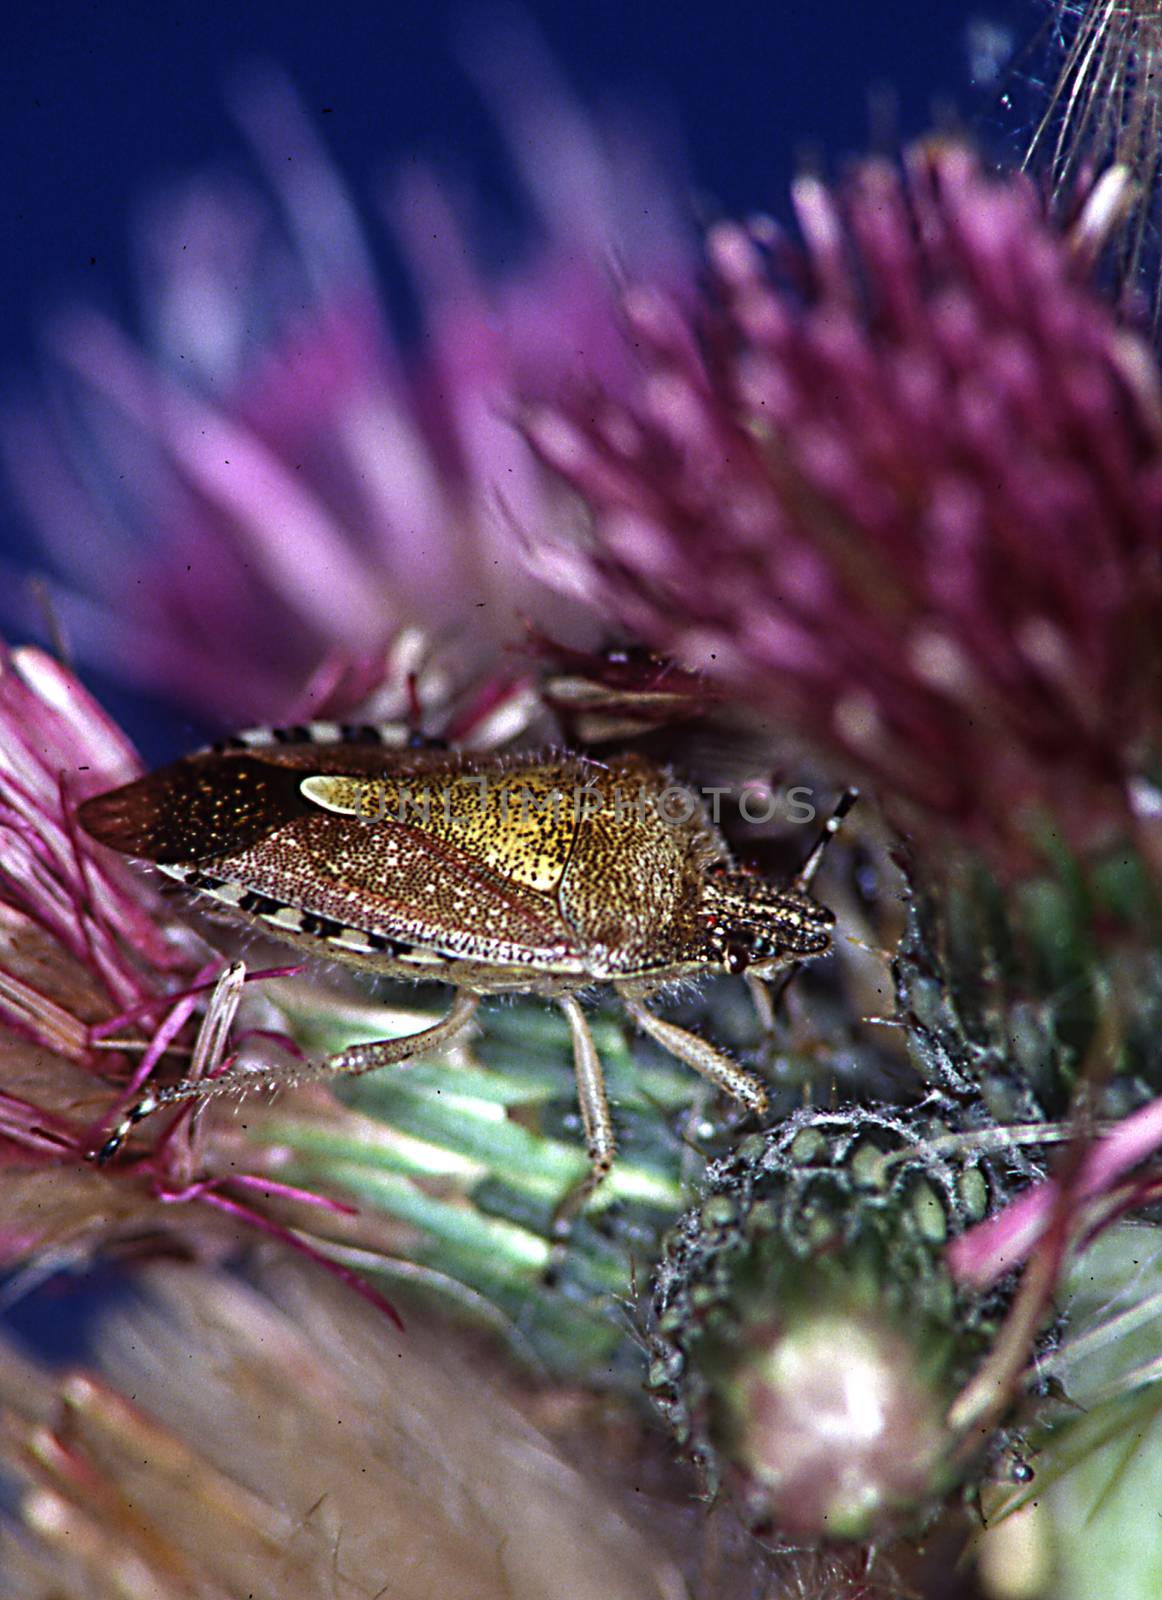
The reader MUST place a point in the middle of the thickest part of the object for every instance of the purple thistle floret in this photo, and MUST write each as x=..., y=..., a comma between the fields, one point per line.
x=97, y=977
x=900, y=483
x=244, y=510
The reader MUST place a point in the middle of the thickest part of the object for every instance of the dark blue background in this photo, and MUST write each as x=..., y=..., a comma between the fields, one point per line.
x=102, y=103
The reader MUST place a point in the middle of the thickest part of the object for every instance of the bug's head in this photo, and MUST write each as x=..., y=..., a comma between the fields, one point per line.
x=752, y=923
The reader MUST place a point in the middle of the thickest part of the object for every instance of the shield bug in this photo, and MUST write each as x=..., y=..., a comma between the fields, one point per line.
x=545, y=874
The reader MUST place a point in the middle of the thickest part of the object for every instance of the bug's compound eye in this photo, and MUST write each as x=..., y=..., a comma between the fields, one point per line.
x=736, y=958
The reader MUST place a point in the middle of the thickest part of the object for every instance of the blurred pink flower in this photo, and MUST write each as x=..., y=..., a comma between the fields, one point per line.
x=901, y=483
x=1115, y=1175
x=96, y=978
x=240, y=514
x=289, y=1444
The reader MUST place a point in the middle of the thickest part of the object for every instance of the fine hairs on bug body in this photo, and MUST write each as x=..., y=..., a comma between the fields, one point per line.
x=541, y=874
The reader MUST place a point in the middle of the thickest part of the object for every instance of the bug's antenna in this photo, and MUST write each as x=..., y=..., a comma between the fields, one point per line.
x=830, y=828
x=415, y=710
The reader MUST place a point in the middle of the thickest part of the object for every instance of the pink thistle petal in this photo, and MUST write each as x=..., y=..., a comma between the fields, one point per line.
x=90, y=958
x=288, y=1236
x=34, y=1129
x=994, y=1247
x=38, y=1017
x=304, y=555
x=202, y=984
x=289, y=1191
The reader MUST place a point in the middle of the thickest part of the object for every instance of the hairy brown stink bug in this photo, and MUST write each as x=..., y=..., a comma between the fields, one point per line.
x=541, y=874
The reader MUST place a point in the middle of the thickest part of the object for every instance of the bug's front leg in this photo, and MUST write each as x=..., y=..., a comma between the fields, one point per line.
x=358, y=1059
x=766, y=994
x=695, y=1052
x=763, y=1002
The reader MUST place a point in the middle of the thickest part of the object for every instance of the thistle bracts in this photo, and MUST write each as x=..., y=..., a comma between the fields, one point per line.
x=1037, y=995
x=459, y=1164
x=808, y=1340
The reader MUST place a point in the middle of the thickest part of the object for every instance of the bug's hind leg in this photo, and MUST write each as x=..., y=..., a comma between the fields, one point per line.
x=595, y=1117
x=358, y=1059
x=704, y=1058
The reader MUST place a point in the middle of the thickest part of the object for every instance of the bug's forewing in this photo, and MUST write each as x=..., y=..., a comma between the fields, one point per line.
x=396, y=881
x=241, y=818
x=196, y=809
x=221, y=800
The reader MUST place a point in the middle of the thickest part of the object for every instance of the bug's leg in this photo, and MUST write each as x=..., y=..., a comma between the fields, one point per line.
x=762, y=1001
x=358, y=1059
x=595, y=1116
x=417, y=738
x=704, y=1058
x=767, y=994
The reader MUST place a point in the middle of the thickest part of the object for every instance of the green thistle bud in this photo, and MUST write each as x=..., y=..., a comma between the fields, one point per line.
x=808, y=1339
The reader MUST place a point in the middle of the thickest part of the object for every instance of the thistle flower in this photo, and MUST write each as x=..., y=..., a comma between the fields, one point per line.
x=900, y=486
x=298, y=1447
x=96, y=975
x=274, y=484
